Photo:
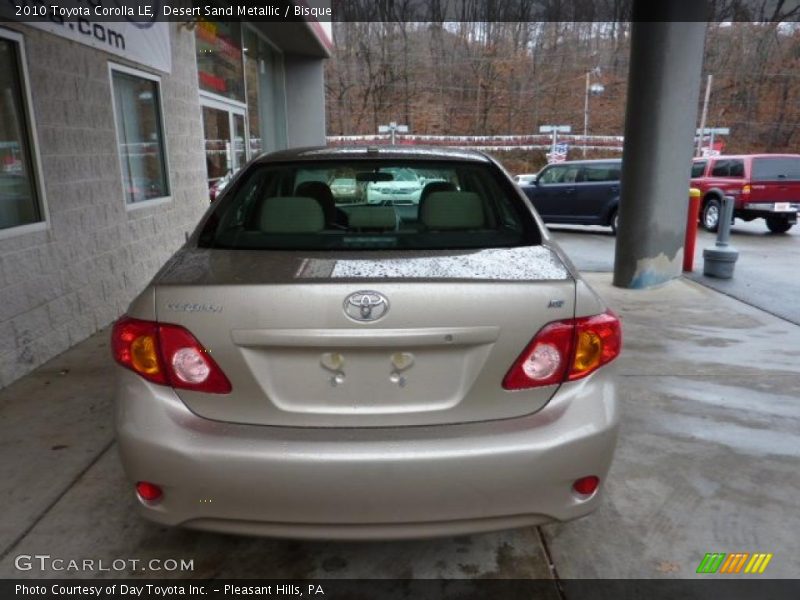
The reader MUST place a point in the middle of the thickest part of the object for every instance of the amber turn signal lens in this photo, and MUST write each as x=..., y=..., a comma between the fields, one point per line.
x=588, y=351
x=144, y=356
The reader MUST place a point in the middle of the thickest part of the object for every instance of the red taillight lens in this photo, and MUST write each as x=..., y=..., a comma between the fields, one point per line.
x=189, y=363
x=566, y=350
x=586, y=486
x=149, y=492
x=166, y=354
x=545, y=360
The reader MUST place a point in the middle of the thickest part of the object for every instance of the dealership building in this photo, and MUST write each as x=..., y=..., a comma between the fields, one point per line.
x=111, y=135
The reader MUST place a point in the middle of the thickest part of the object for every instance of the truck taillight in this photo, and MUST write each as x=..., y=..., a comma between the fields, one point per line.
x=167, y=355
x=565, y=351
x=746, y=190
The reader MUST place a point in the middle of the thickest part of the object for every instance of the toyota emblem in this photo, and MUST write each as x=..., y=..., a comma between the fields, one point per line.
x=366, y=305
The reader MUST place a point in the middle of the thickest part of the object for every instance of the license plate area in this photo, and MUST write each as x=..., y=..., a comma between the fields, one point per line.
x=366, y=381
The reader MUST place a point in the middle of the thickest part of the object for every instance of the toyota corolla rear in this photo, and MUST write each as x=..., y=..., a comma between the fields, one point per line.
x=306, y=367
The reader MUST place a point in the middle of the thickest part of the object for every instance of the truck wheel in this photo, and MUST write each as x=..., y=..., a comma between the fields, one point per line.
x=778, y=225
x=711, y=212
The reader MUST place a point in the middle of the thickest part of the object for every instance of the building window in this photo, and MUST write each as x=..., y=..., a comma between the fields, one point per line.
x=140, y=134
x=266, y=97
x=19, y=194
x=219, y=59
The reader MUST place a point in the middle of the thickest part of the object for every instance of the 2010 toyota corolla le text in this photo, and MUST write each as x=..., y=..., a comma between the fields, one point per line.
x=408, y=368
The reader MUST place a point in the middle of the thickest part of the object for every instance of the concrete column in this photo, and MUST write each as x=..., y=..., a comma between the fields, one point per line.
x=661, y=116
x=305, y=101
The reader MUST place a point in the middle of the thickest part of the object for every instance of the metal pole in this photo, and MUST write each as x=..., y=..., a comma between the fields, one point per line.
x=586, y=114
x=724, y=232
x=720, y=260
x=711, y=140
x=704, y=115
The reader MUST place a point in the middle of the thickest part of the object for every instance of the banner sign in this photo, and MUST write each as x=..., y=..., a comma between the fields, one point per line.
x=142, y=39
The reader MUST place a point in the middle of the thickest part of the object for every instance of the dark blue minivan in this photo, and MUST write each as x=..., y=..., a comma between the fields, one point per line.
x=580, y=192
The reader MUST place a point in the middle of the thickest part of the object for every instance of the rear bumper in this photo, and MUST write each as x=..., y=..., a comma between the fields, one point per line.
x=757, y=210
x=372, y=482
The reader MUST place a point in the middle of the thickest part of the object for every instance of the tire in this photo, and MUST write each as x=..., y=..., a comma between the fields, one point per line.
x=778, y=225
x=710, y=215
x=614, y=221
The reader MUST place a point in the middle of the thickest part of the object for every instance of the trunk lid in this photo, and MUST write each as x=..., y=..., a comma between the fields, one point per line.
x=276, y=324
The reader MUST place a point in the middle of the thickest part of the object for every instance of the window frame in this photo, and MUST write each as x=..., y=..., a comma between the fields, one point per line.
x=609, y=167
x=729, y=162
x=116, y=67
x=37, y=180
x=695, y=163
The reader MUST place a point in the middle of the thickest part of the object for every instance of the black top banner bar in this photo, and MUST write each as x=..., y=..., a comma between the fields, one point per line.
x=436, y=11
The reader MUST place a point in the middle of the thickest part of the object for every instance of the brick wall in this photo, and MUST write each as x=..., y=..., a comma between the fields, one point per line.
x=59, y=286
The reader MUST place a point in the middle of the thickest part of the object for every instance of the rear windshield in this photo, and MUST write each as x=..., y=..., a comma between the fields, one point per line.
x=370, y=205
x=778, y=168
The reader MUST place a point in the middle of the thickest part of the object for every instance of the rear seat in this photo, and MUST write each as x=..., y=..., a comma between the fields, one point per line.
x=452, y=211
x=290, y=214
x=373, y=218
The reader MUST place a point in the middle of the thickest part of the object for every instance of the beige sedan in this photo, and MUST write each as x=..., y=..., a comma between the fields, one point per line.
x=310, y=368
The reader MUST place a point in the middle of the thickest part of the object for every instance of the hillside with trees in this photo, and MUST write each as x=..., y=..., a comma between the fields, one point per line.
x=488, y=78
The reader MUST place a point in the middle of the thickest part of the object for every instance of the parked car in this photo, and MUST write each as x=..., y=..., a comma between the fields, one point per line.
x=764, y=186
x=400, y=186
x=218, y=186
x=284, y=376
x=580, y=192
x=345, y=188
x=525, y=178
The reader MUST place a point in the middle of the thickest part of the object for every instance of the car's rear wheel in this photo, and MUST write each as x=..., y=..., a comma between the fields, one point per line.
x=710, y=216
x=778, y=224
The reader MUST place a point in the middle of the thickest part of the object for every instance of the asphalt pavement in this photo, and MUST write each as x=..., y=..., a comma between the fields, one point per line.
x=767, y=274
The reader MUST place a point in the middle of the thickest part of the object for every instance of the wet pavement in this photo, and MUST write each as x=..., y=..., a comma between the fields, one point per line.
x=707, y=461
x=766, y=275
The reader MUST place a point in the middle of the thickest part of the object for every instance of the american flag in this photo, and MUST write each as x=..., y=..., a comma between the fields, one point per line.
x=559, y=154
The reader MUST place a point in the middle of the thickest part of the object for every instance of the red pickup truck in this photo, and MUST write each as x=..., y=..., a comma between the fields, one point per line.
x=764, y=186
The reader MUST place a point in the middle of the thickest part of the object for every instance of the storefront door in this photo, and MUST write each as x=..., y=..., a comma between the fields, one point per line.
x=225, y=132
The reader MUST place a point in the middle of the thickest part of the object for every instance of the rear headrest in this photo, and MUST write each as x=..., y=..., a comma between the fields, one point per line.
x=322, y=194
x=373, y=217
x=291, y=214
x=452, y=210
x=435, y=186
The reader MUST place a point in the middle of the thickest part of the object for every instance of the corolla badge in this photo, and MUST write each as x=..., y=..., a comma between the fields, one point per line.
x=366, y=305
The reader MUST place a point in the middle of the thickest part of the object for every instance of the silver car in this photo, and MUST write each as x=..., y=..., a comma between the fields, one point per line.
x=307, y=369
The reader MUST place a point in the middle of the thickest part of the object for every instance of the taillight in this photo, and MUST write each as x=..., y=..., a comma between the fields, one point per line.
x=134, y=344
x=746, y=189
x=598, y=340
x=166, y=354
x=545, y=359
x=566, y=350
